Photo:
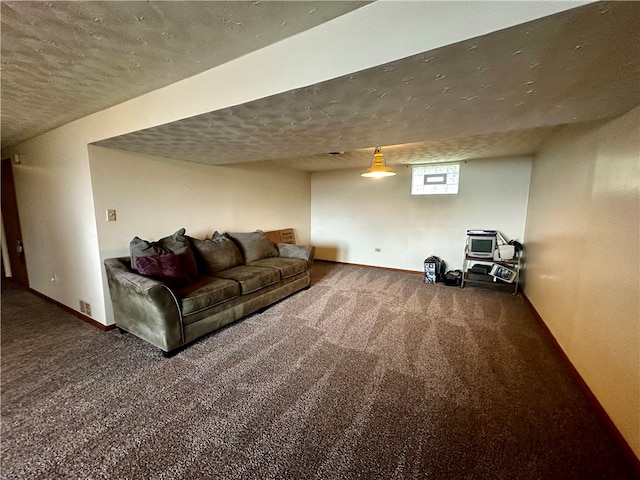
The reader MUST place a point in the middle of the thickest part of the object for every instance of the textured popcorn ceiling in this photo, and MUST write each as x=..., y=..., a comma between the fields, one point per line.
x=499, y=94
x=64, y=60
x=515, y=142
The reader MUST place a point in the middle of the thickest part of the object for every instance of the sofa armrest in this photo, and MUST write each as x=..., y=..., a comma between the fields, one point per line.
x=304, y=252
x=143, y=306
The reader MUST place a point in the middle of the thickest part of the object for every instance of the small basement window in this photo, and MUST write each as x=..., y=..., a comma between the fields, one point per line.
x=439, y=179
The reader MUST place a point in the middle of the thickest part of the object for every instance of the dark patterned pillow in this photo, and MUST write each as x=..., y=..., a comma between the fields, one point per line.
x=254, y=245
x=216, y=254
x=178, y=244
x=165, y=267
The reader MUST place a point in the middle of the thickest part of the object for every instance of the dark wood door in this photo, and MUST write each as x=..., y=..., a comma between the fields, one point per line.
x=11, y=226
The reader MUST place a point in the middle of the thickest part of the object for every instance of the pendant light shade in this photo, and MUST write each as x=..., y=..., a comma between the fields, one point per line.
x=378, y=168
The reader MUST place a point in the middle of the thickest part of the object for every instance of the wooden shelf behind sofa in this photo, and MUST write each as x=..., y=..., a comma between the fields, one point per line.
x=281, y=236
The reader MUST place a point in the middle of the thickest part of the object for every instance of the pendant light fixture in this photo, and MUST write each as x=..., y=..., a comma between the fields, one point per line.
x=378, y=168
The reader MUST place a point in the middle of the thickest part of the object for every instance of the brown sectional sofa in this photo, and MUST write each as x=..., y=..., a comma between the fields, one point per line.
x=178, y=289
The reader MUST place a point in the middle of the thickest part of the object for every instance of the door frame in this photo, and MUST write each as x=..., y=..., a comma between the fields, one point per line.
x=11, y=226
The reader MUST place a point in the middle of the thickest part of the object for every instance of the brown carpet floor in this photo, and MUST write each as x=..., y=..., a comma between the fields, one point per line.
x=369, y=374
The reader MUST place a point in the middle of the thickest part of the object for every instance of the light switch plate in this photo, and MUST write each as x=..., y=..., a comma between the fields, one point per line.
x=111, y=215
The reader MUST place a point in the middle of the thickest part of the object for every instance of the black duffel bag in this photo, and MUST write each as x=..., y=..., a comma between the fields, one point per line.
x=453, y=278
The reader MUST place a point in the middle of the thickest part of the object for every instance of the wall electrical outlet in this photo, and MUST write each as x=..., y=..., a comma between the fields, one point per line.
x=85, y=308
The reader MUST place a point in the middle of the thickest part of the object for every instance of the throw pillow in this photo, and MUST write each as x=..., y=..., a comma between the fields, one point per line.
x=178, y=244
x=216, y=254
x=254, y=245
x=165, y=267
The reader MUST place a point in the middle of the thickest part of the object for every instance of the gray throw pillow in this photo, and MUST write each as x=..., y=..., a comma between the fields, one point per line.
x=216, y=254
x=178, y=244
x=254, y=245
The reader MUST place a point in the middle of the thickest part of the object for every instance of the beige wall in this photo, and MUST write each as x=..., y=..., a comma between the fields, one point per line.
x=55, y=205
x=351, y=216
x=583, y=267
x=154, y=197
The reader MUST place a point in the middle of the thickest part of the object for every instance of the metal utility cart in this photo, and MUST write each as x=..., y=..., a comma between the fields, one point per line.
x=507, y=269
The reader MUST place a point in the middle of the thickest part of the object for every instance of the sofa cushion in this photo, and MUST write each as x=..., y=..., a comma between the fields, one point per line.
x=304, y=252
x=251, y=278
x=206, y=292
x=216, y=254
x=288, y=267
x=178, y=244
x=165, y=267
x=254, y=245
